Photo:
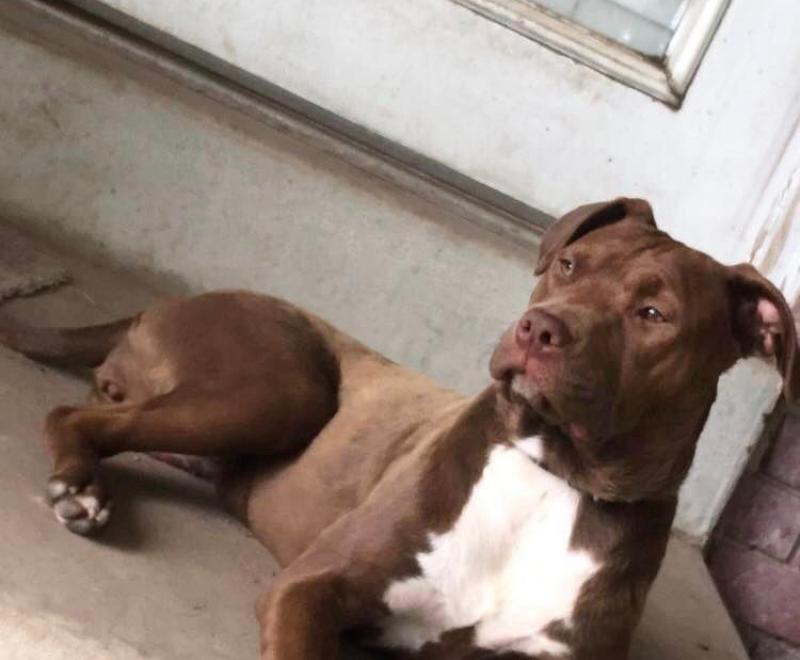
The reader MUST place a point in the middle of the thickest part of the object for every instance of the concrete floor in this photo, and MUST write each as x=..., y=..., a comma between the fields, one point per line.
x=173, y=577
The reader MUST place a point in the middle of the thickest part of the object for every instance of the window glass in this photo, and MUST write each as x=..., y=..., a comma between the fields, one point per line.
x=645, y=26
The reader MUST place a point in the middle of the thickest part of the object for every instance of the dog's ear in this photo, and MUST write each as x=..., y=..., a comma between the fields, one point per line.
x=582, y=220
x=764, y=325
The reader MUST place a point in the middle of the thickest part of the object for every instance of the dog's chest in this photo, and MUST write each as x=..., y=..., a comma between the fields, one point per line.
x=505, y=569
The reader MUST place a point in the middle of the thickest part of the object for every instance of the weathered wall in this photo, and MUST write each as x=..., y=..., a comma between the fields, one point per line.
x=433, y=76
x=169, y=183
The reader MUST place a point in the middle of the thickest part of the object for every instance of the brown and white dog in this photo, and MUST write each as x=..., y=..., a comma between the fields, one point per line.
x=526, y=522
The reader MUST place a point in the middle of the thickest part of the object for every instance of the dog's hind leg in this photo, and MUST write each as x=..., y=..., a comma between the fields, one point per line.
x=249, y=419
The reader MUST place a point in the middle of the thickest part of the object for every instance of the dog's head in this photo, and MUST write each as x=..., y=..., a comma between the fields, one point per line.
x=624, y=340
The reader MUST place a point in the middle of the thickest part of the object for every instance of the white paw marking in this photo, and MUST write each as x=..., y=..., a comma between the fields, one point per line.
x=79, y=511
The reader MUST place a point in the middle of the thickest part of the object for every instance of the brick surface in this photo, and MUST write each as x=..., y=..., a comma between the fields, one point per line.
x=783, y=462
x=765, y=647
x=759, y=590
x=763, y=515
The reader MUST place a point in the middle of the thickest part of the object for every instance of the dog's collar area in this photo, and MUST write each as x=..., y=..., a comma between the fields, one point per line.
x=534, y=447
x=543, y=442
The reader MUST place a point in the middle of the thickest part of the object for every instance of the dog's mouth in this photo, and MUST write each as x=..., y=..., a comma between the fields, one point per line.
x=520, y=389
x=520, y=382
x=524, y=390
x=522, y=374
x=507, y=359
x=531, y=382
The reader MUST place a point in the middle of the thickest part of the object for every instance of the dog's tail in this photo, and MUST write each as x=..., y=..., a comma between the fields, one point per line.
x=68, y=347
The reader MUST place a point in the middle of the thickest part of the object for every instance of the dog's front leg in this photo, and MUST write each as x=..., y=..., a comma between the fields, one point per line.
x=338, y=584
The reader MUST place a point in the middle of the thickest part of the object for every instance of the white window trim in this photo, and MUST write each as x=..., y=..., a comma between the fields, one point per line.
x=666, y=79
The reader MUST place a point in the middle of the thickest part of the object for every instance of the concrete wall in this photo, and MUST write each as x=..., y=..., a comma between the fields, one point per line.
x=171, y=184
x=159, y=178
x=496, y=106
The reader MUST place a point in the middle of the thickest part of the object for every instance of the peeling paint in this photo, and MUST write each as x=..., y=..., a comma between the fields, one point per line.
x=776, y=249
x=778, y=241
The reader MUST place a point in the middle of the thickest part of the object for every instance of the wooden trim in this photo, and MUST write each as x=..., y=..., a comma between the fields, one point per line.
x=666, y=79
x=696, y=29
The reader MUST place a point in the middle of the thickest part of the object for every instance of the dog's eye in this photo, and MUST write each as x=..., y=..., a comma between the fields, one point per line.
x=651, y=314
x=566, y=266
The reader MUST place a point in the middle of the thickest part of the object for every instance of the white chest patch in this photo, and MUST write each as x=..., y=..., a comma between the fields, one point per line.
x=505, y=567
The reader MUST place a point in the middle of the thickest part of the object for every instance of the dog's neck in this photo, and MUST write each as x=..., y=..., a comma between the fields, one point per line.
x=614, y=478
x=615, y=486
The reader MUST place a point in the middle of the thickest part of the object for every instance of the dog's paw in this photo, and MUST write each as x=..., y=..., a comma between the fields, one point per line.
x=81, y=509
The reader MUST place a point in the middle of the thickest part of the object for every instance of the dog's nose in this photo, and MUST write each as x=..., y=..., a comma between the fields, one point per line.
x=541, y=330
